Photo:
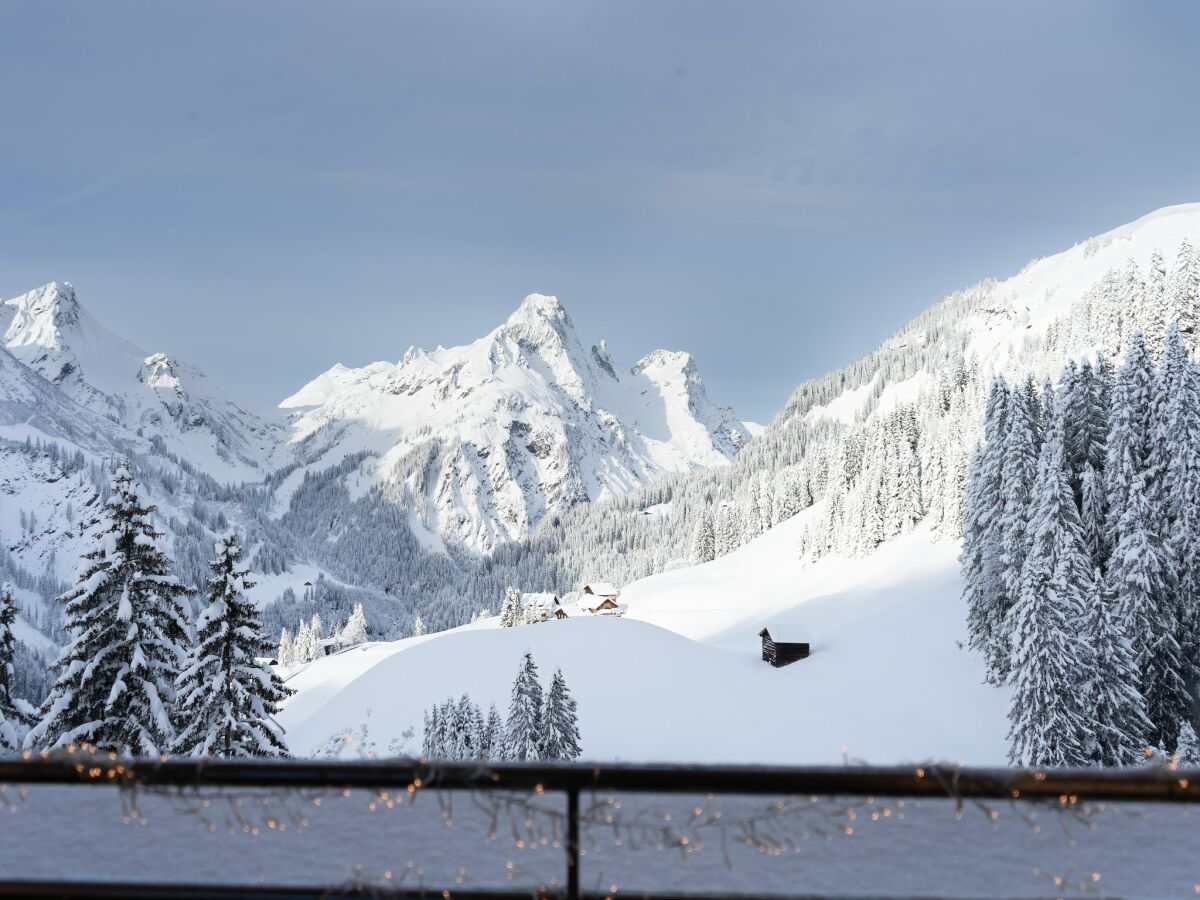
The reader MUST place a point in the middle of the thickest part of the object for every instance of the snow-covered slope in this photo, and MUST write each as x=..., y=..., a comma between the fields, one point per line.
x=151, y=395
x=875, y=457
x=680, y=677
x=489, y=439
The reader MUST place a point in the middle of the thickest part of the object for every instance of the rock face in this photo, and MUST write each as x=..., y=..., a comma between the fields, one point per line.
x=147, y=394
x=489, y=439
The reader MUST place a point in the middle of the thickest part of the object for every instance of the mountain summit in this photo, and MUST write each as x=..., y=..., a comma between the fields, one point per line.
x=489, y=439
x=149, y=394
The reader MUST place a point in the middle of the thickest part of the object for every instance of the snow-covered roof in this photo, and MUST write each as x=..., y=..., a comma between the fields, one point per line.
x=787, y=633
x=547, y=600
x=601, y=589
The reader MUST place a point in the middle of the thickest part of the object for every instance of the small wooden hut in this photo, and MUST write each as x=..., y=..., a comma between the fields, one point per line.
x=783, y=643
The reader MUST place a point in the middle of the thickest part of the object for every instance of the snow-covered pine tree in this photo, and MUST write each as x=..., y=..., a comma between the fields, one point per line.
x=14, y=713
x=1118, y=719
x=510, y=611
x=1156, y=323
x=1140, y=578
x=493, y=735
x=355, y=630
x=560, y=737
x=418, y=627
x=286, y=653
x=304, y=647
x=1049, y=722
x=729, y=530
x=1183, y=293
x=752, y=519
x=1187, y=748
x=1093, y=515
x=704, y=541
x=523, y=730
x=115, y=682
x=227, y=698
x=1177, y=460
x=1126, y=456
x=981, y=545
x=1020, y=467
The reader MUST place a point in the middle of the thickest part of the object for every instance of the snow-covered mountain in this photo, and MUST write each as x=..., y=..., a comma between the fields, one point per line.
x=842, y=516
x=149, y=394
x=487, y=440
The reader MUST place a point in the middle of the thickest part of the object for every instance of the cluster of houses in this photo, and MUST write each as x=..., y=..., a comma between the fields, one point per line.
x=598, y=598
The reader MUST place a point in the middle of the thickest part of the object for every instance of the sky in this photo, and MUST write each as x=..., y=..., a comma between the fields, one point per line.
x=267, y=189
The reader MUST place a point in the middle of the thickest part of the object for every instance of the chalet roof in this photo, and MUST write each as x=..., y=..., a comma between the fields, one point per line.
x=786, y=633
x=601, y=589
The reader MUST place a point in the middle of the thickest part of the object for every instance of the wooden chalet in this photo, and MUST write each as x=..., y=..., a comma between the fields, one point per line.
x=783, y=644
x=606, y=604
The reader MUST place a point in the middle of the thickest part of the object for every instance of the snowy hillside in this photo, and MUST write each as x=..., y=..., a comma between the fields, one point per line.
x=843, y=516
x=151, y=395
x=680, y=676
x=487, y=440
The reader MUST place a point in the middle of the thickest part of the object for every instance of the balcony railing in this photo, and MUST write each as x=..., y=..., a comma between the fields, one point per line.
x=1060, y=788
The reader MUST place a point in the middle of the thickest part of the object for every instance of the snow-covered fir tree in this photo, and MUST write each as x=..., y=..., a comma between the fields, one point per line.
x=510, y=609
x=355, y=630
x=1118, y=726
x=1187, y=748
x=227, y=697
x=1049, y=723
x=418, y=627
x=14, y=713
x=286, y=653
x=981, y=556
x=523, y=728
x=560, y=734
x=115, y=682
x=704, y=541
x=493, y=734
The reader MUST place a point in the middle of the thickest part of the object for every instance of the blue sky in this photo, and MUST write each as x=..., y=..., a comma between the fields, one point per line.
x=265, y=189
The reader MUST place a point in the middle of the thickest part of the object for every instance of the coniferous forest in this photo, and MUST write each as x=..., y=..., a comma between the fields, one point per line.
x=1081, y=557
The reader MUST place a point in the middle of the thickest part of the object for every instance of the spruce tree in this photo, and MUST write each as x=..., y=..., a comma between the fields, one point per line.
x=115, y=682
x=1140, y=580
x=1119, y=724
x=493, y=735
x=228, y=699
x=523, y=730
x=355, y=630
x=1019, y=472
x=981, y=550
x=1049, y=722
x=285, y=655
x=561, y=735
x=1187, y=748
x=1184, y=292
x=510, y=611
x=704, y=541
x=14, y=713
x=1128, y=450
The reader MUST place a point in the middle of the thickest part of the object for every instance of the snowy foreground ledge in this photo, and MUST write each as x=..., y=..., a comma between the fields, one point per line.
x=938, y=831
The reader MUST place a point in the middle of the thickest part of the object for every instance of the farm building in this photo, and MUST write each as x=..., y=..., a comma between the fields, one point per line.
x=784, y=643
x=602, y=589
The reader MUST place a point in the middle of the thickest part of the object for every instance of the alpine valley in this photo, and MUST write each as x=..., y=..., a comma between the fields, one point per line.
x=426, y=488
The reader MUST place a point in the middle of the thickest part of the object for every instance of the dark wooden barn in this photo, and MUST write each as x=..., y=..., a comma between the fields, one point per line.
x=783, y=644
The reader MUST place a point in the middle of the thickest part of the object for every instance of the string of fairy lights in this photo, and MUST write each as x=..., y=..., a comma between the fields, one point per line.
x=536, y=822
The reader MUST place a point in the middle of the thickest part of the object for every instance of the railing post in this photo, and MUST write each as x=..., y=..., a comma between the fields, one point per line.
x=573, y=842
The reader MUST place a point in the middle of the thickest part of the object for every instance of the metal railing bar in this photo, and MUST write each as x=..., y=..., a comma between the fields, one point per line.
x=934, y=780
